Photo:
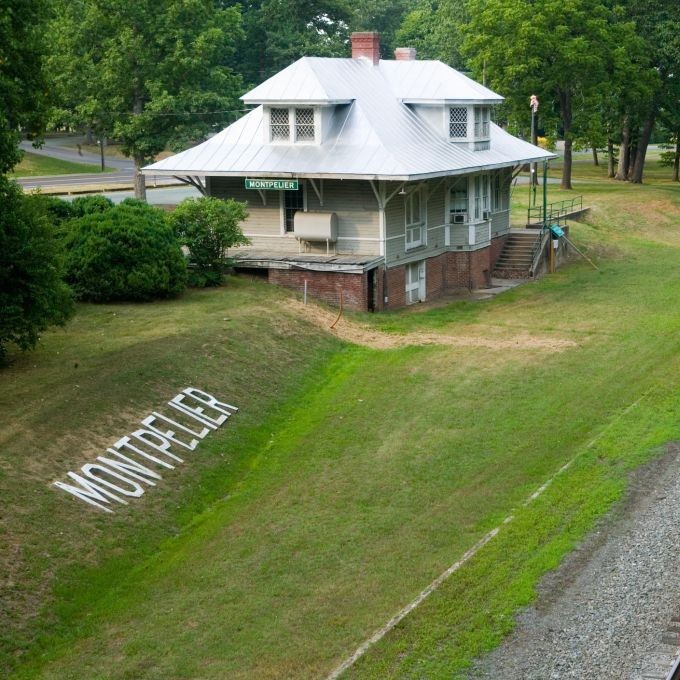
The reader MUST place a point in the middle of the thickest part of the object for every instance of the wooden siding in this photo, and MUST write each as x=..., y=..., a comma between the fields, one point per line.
x=481, y=233
x=352, y=201
x=263, y=220
x=500, y=223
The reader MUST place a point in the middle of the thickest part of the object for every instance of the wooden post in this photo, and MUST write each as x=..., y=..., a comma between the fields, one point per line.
x=552, y=255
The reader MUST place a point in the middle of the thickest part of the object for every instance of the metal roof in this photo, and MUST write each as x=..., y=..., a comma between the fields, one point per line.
x=374, y=136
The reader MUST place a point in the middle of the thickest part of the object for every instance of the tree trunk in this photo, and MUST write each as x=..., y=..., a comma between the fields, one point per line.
x=676, y=160
x=624, y=151
x=610, y=158
x=140, y=184
x=565, y=110
x=643, y=143
x=89, y=136
x=596, y=160
x=632, y=155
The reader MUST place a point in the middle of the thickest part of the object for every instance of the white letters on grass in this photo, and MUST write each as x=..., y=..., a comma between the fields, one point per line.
x=122, y=473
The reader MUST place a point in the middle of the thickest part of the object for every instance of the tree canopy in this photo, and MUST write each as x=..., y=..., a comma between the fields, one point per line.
x=153, y=76
x=24, y=94
x=33, y=295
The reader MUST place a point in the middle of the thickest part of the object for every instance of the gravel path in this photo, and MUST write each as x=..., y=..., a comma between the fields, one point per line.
x=602, y=614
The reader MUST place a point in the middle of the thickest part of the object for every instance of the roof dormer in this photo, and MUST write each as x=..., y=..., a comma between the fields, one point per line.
x=299, y=124
x=469, y=124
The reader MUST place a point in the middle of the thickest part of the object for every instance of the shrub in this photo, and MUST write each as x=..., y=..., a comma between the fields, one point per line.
x=126, y=253
x=87, y=205
x=207, y=226
x=56, y=209
x=33, y=295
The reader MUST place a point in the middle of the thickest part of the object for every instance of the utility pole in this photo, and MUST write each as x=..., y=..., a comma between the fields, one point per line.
x=533, y=104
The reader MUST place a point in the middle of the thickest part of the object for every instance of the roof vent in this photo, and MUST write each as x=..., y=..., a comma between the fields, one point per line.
x=366, y=44
x=405, y=54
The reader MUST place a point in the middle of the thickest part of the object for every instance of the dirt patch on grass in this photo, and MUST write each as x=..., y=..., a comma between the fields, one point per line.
x=359, y=334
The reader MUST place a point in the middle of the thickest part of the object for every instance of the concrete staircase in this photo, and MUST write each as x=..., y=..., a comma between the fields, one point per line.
x=516, y=257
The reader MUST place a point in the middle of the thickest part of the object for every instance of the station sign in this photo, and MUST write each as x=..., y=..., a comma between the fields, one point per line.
x=276, y=184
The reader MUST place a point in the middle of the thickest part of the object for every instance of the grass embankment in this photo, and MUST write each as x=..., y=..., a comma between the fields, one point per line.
x=35, y=165
x=352, y=476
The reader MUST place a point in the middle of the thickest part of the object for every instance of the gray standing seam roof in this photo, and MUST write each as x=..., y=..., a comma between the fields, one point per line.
x=375, y=133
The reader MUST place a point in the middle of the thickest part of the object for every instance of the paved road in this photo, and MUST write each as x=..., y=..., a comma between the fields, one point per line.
x=72, y=182
x=62, y=148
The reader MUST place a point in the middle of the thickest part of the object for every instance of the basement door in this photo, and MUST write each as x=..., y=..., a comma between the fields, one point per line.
x=415, y=282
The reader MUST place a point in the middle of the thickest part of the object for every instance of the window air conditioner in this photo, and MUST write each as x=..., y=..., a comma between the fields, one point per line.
x=486, y=215
x=459, y=218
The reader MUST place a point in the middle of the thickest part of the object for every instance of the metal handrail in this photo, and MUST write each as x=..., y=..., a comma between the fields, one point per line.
x=554, y=211
x=537, y=250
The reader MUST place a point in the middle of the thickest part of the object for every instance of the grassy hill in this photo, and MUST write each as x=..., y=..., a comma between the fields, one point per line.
x=353, y=475
x=36, y=165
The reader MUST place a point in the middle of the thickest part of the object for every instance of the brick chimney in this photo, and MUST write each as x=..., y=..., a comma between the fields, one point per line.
x=366, y=44
x=405, y=54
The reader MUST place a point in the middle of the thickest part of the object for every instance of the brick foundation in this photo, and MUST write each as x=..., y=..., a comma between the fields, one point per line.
x=326, y=286
x=448, y=271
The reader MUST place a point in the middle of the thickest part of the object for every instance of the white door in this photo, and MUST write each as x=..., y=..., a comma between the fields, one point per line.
x=415, y=282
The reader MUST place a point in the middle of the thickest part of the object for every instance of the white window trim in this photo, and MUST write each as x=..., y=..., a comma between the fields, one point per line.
x=482, y=202
x=421, y=224
x=422, y=276
x=447, y=120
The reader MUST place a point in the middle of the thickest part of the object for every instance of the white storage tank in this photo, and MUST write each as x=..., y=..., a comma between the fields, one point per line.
x=315, y=226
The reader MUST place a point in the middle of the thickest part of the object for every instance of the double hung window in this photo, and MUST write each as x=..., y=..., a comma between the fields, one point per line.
x=481, y=122
x=414, y=219
x=458, y=201
x=481, y=201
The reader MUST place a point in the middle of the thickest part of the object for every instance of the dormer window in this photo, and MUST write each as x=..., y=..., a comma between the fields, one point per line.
x=482, y=117
x=470, y=126
x=304, y=125
x=292, y=125
x=458, y=117
x=280, y=127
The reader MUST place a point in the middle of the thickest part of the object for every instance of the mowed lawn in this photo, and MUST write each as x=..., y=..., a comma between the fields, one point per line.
x=351, y=478
x=36, y=165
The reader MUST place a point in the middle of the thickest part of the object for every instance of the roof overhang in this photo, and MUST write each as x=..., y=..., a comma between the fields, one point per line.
x=321, y=175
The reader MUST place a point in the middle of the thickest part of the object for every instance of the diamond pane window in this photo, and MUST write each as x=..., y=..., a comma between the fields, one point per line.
x=458, y=122
x=304, y=125
x=280, y=126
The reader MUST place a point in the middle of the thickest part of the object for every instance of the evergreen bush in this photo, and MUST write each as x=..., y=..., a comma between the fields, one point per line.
x=86, y=205
x=128, y=252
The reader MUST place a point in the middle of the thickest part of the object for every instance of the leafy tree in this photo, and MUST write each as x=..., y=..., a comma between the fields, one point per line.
x=24, y=95
x=33, y=295
x=385, y=17
x=207, y=227
x=419, y=29
x=126, y=253
x=154, y=75
x=658, y=24
x=557, y=50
